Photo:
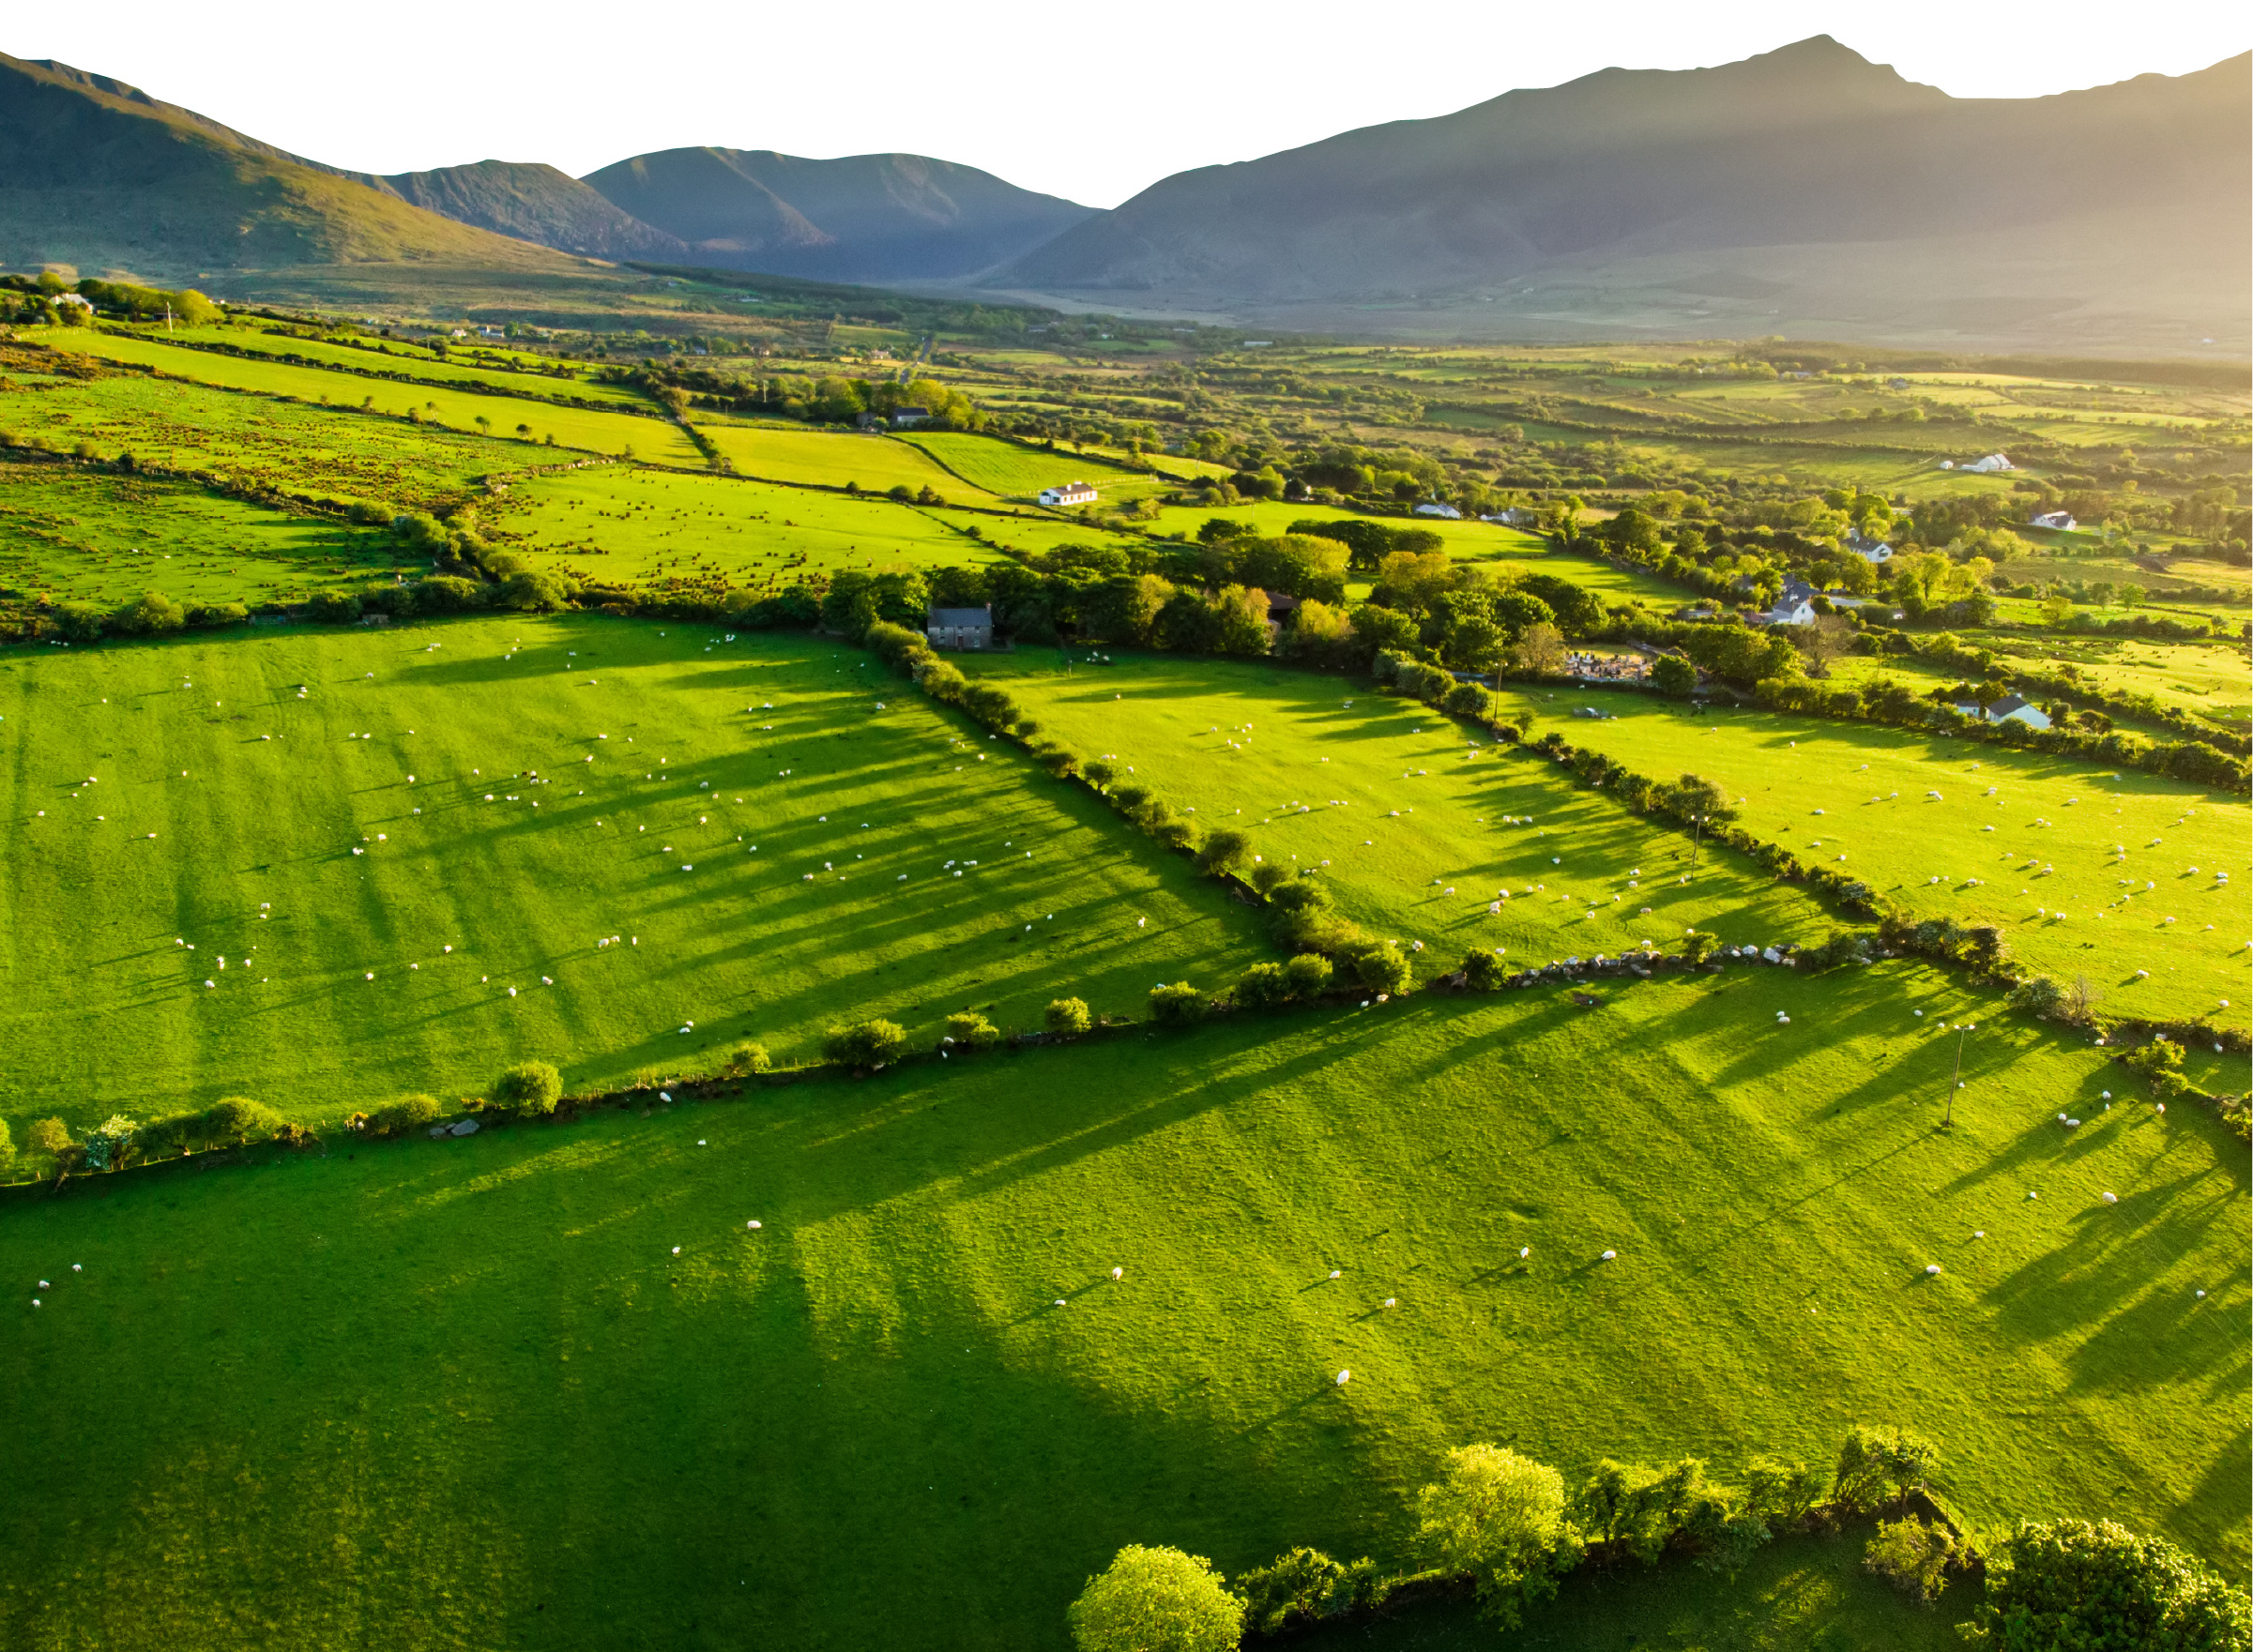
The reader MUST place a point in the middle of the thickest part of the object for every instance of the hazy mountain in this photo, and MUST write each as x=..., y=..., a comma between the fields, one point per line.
x=865, y=218
x=100, y=174
x=1808, y=180
x=534, y=202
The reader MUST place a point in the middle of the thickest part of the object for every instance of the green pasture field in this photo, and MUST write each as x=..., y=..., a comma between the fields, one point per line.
x=830, y=458
x=1408, y=823
x=76, y=535
x=1033, y=532
x=2078, y=918
x=579, y=428
x=395, y=357
x=542, y=1387
x=1011, y=472
x=2208, y=679
x=623, y=524
x=256, y=441
x=392, y=815
x=2089, y=565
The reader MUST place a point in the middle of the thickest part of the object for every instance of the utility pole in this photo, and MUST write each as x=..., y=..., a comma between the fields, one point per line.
x=1697, y=837
x=1955, y=1078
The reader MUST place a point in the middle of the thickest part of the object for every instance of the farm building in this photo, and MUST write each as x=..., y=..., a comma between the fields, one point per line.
x=1070, y=494
x=2060, y=519
x=1869, y=549
x=906, y=418
x=1794, y=606
x=1434, y=507
x=960, y=628
x=2015, y=708
x=1512, y=518
x=1989, y=466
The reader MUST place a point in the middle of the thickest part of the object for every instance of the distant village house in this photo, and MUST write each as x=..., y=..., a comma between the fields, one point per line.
x=2010, y=708
x=906, y=418
x=1869, y=549
x=1434, y=507
x=2060, y=519
x=1070, y=494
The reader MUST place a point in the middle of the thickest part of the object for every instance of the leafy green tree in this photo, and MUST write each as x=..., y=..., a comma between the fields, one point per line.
x=1068, y=1017
x=1156, y=1600
x=47, y=1138
x=867, y=1043
x=968, y=1030
x=1307, y=974
x=1178, y=1004
x=748, y=1057
x=1539, y=652
x=2071, y=1586
x=148, y=613
x=409, y=1113
x=1482, y=972
x=1381, y=968
x=238, y=1118
x=529, y=1089
x=1912, y=1556
x=1874, y=1461
x=1674, y=676
x=1499, y=1518
x=1223, y=852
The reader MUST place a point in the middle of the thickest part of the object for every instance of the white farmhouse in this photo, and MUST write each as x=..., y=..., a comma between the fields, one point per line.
x=1070, y=494
x=1990, y=465
x=2015, y=708
x=1795, y=606
x=1434, y=507
x=1870, y=551
x=2060, y=519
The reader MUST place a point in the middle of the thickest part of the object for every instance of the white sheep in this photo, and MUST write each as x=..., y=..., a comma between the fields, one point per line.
x=1345, y=1376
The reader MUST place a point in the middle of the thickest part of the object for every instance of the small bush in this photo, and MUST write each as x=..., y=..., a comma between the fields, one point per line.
x=1380, y=968
x=971, y=1031
x=1224, y=852
x=868, y=1043
x=47, y=1138
x=1059, y=761
x=529, y=1089
x=2160, y=1062
x=2042, y=995
x=1482, y=972
x=333, y=607
x=1067, y=1016
x=1269, y=877
x=1178, y=1005
x=237, y=1118
x=1262, y=987
x=748, y=1057
x=1097, y=773
x=1842, y=949
x=1156, y=1600
x=409, y=1113
x=1308, y=975
x=1912, y=1556
x=1698, y=946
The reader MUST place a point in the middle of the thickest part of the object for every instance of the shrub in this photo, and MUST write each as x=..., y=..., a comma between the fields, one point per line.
x=237, y=1118
x=1059, y=761
x=529, y=1089
x=1178, y=1005
x=214, y=616
x=1224, y=852
x=1912, y=1556
x=1482, y=972
x=1781, y=1490
x=1843, y=948
x=749, y=1058
x=868, y=1043
x=1156, y=1600
x=1499, y=1518
x=1379, y=966
x=2073, y=1585
x=1674, y=676
x=1067, y=1016
x=409, y=1113
x=1305, y=1586
x=1262, y=987
x=1698, y=944
x=1308, y=975
x=1875, y=1461
x=969, y=1030
x=1468, y=700
x=2042, y=995
x=7, y=1147
x=2160, y=1062
x=48, y=1138
x=1025, y=728
x=1294, y=893
x=1269, y=877
x=894, y=644
x=148, y=615
x=333, y=607
x=1097, y=773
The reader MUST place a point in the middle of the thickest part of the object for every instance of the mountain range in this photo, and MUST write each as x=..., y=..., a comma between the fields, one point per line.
x=1803, y=190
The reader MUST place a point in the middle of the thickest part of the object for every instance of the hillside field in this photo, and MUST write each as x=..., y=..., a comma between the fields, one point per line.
x=1014, y=472
x=379, y=875
x=469, y=1393
x=830, y=458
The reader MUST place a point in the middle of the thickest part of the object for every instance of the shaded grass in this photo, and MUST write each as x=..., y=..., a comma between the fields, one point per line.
x=78, y=534
x=254, y=860
x=395, y=356
x=830, y=458
x=467, y=1394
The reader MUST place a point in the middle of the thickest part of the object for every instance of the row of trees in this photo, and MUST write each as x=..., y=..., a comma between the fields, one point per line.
x=1507, y=1524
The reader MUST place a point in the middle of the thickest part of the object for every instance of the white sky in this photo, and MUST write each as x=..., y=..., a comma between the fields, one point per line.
x=1094, y=105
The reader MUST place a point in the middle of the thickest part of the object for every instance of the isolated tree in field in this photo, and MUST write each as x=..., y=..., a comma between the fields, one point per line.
x=1674, y=676
x=2057, y=608
x=1540, y=652
x=530, y=1088
x=748, y=1057
x=1824, y=641
x=1224, y=852
x=1068, y=1017
x=484, y=424
x=524, y=433
x=1156, y=1600
x=1497, y=1517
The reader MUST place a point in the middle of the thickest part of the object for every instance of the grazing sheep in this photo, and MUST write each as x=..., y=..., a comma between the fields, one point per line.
x=1345, y=1376
x=1932, y=1267
x=1612, y=1255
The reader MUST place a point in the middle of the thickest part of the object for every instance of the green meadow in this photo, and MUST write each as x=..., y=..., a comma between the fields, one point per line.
x=2017, y=839
x=544, y=1387
x=387, y=356
x=507, y=418
x=76, y=535
x=627, y=525
x=254, y=441
x=409, y=877
x=831, y=459
x=1417, y=828
x=1012, y=472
